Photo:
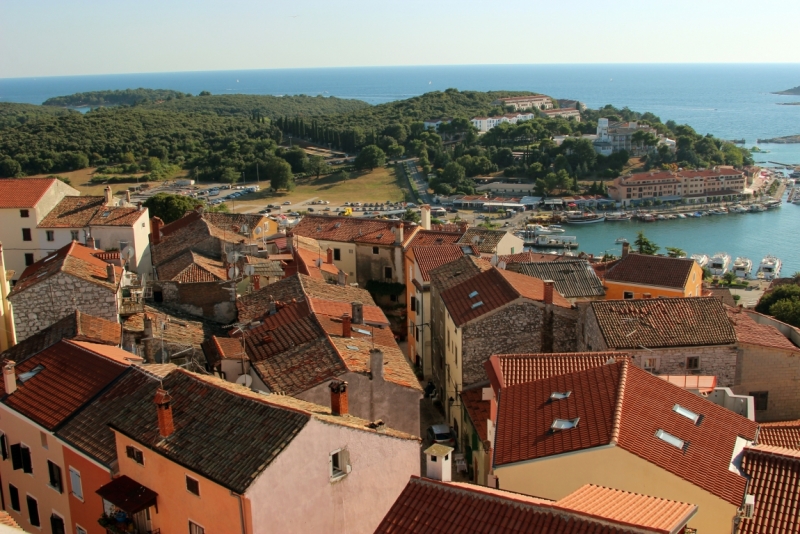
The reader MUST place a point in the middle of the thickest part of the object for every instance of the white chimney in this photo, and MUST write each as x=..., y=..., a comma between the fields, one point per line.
x=107, y=192
x=376, y=364
x=10, y=377
x=438, y=463
x=425, y=215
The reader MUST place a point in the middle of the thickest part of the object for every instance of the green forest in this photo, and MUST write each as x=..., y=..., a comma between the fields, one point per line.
x=12, y=114
x=124, y=97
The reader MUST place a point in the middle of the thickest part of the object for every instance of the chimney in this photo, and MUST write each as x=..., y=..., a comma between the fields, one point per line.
x=108, y=195
x=341, y=278
x=90, y=242
x=338, y=397
x=425, y=215
x=357, y=312
x=398, y=234
x=256, y=278
x=625, y=249
x=376, y=364
x=165, y=424
x=548, y=291
x=199, y=209
x=346, y=325
x=155, y=230
x=10, y=377
x=273, y=308
x=140, y=206
x=127, y=197
x=111, y=274
x=330, y=257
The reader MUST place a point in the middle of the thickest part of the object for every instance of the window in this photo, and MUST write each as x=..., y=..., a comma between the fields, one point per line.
x=3, y=446
x=760, y=398
x=627, y=295
x=51, y=235
x=43, y=438
x=413, y=304
x=192, y=485
x=97, y=244
x=26, y=234
x=560, y=395
x=393, y=298
x=134, y=454
x=387, y=272
x=13, y=493
x=337, y=254
x=21, y=458
x=692, y=363
x=194, y=528
x=54, y=471
x=74, y=235
x=24, y=214
x=687, y=413
x=339, y=464
x=672, y=440
x=57, y=524
x=75, y=482
x=564, y=424
x=80, y=530
x=374, y=250
x=28, y=259
x=650, y=364
x=33, y=511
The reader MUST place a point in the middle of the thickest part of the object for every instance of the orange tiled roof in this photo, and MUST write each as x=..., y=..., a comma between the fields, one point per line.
x=483, y=239
x=7, y=520
x=623, y=405
x=191, y=267
x=350, y=229
x=429, y=258
x=784, y=434
x=372, y=314
x=643, y=269
x=752, y=333
x=23, y=192
x=434, y=238
x=512, y=369
x=775, y=481
x=453, y=273
x=74, y=259
x=477, y=409
x=80, y=212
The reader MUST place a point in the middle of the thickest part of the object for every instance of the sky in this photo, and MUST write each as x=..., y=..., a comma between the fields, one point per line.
x=77, y=37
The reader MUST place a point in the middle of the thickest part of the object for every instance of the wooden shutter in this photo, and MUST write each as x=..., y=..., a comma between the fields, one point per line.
x=77, y=486
x=27, y=466
x=55, y=476
x=57, y=524
x=16, y=456
x=33, y=511
x=3, y=446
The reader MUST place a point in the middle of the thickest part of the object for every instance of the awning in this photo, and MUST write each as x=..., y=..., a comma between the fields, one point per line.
x=128, y=495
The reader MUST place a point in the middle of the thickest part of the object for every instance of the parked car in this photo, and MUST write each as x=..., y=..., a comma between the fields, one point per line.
x=311, y=210
x=287, y=203
x=441, y=434
x=327, y=209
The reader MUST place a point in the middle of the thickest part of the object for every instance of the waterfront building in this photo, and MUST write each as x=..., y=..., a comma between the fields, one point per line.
x=568, y=113
x=677, y=185
x=636, y=276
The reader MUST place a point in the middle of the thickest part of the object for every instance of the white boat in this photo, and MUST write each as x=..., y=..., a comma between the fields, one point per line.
x=757, y=208
x=547, y=241
x=661, y=217
x=742, y=267
x=770, y=268
x=545, y=230
x=681, y=216
x=701, y=259
x=618, y=216
x=584, y=217
x=719, y=263
x=738, y=209
x=620, y=240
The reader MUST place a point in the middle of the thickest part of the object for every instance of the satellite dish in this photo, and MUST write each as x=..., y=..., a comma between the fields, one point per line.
x=128, y=253
x=249, y=270
x=245, y=380
x=244, y=228
x=235, y=256
x=258, y=230
x=233, y=272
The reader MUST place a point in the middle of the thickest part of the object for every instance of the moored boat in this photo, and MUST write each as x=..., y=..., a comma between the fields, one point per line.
x=719, y=263
x=701, y=259
x=620, y=240
x=548, y=241
x=742, y=267
x=769, y=268
x=618, y=216
x=584, y=217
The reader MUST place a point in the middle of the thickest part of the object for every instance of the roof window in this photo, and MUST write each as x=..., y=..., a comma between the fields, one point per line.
x=473, y=294
x=50, y=258
x=106, y=214
x=337, y=225
x=362, y=331
x=560, y=395
x=672, y=440
x=352, y=347
x=687, y=413
x=24, y=377
x=477, y=304
x=564, y=424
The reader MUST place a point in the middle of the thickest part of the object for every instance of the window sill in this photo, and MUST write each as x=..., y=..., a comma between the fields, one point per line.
x=338, y=477
x=77, y=497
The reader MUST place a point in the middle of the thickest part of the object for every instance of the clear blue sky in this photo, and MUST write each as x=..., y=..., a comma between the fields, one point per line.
x=70, y=37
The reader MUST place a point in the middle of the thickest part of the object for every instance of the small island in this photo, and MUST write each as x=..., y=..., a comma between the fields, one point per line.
x=792, y=91
x=782, y=140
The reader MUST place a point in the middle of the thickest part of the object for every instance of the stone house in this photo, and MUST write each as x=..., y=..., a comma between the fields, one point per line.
x=70, y=279
x=574, y=279
x=24, y=203
x=670, y=336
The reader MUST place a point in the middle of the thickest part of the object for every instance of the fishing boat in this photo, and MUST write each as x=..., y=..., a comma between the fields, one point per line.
x=584, y=217
x=618, y=216
x=697, y=214
x=547, y=241
x=719, y=263
x=742, y=267
x=620, y=241
x=531, y=231
x=769, y=268
x=701, y=259
x=772, y=204
x=647, y=217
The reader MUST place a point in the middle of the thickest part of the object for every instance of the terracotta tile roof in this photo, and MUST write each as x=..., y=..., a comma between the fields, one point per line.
x=455, y=228
x=397, y=369
x=784, y=434
x=373, y=315
x=350, y=230
x=723, y=294
x=71, y=376
x=323, y=290
x=527, y=257
x=190, y=267
x=313, y=263
x=702, y=383
x=429, y=258
x=88, y=429
x=107, y=256
x=253, y=306
x=573, y=278
x=495, y=288
x=23, y=192
x=77, y=326
x=190, y=231
x=235, y=222
x=429, y=506
x=674, y=322
x=750, y=332
x=204, y=412
x=648, y=270
x=180, y=328
x=478, y=410
x=74, y=259
x=512, y=369
x=622, y=405
x=453, y=273
x=8, y=521
x=775, y=481
x=483, y=239
x=434, y=238
x=80, y=212
x=660, y=515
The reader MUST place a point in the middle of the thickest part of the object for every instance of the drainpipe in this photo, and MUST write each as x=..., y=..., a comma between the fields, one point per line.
x=241, y=511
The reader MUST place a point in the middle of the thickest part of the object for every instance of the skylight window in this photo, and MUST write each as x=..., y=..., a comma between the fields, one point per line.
x=50, y=258
x=672, y=440
x=24, y=377
x=106, y=213
x=477, y=304
x=352, y=347
x=687, y=413
x=559, y=395
x=564, y=424
x=473, y=294
x=362, y=331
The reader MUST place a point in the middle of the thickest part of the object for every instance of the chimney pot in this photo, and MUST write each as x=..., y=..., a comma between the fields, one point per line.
x=330, y=256
x=164, y=407
x=376, y=364
x=111, y=274
x=140, y=206
x=425, y=216
x=346, y=332
x=155, y=230
x=10, y=377
x=273, y=308
x=626, y=247
x=357, y=312
x=548, y=291
x=128, y=197
x=108, y=195
x=338, y=397
x=90, y=242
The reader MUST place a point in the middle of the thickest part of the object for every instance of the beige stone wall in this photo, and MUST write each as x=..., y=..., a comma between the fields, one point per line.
x=719, y=361
x=775, y=371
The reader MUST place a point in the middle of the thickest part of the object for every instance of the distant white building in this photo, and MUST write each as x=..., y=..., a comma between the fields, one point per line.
x=484, y=124
x=525, y=102
x=566, y=113
x=433, y=124
x=615, y=136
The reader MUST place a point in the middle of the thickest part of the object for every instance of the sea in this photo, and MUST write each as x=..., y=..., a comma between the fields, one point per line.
x=730, y=101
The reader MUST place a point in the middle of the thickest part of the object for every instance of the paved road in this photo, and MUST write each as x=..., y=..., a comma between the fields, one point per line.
x=416, y=176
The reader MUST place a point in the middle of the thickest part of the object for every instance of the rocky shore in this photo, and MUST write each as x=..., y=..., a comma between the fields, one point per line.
x=782, y=140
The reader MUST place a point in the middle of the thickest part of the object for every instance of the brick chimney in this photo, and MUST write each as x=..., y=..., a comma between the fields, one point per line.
x=256, y=278
x=10, y=377
x=127, y=197
x=357, y=312
x=338, y=397
x=376, y=364
x=346, y=325
x=548, y=291
x=330, y=257
x=626, y=247
x=398, y=233
x=108, y=195
x=425, y=216
x=155, y=230
x=90, y=242
x=165, y=425
x=111, y=274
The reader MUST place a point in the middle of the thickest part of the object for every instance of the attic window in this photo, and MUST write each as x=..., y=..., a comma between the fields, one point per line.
x=352, y=347
x=337, y=225
x=439, y=241
x=24, y=377
x=560, y=395
x=106, y=214
x=473, y=294
x=477, y=304
x=362, y=331
x=672, y=440
x=466, y=250
x=564, y=424
x=688, y=414
x=379, y=236
x=50, y=258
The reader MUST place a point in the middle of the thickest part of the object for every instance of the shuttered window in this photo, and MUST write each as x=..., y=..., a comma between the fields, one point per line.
x=33, y=511
x=75, y=482
x=54, y=471
x=57, y=524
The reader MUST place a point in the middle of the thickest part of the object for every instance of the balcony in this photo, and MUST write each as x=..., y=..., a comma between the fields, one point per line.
x=123, y=525
x=127, y=507
x=131, y=305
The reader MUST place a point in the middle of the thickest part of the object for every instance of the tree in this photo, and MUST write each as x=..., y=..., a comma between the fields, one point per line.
x=729, y=277
x=782, y=292
x=675, y=252
x=229, y=175
x=296, y=157
x=644, y=245
x=10, y=168
x=395, y=151
x=411, y=216
x=453, y=173
x=279, y=174
x=317, y=165
x=169, y=207
x=370, y=157
x=787, y=311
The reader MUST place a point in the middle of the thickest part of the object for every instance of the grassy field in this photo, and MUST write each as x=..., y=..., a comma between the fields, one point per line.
x=378, y=185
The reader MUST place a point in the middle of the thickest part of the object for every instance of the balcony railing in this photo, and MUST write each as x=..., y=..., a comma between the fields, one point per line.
x=123, y=526
x=131, y=305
